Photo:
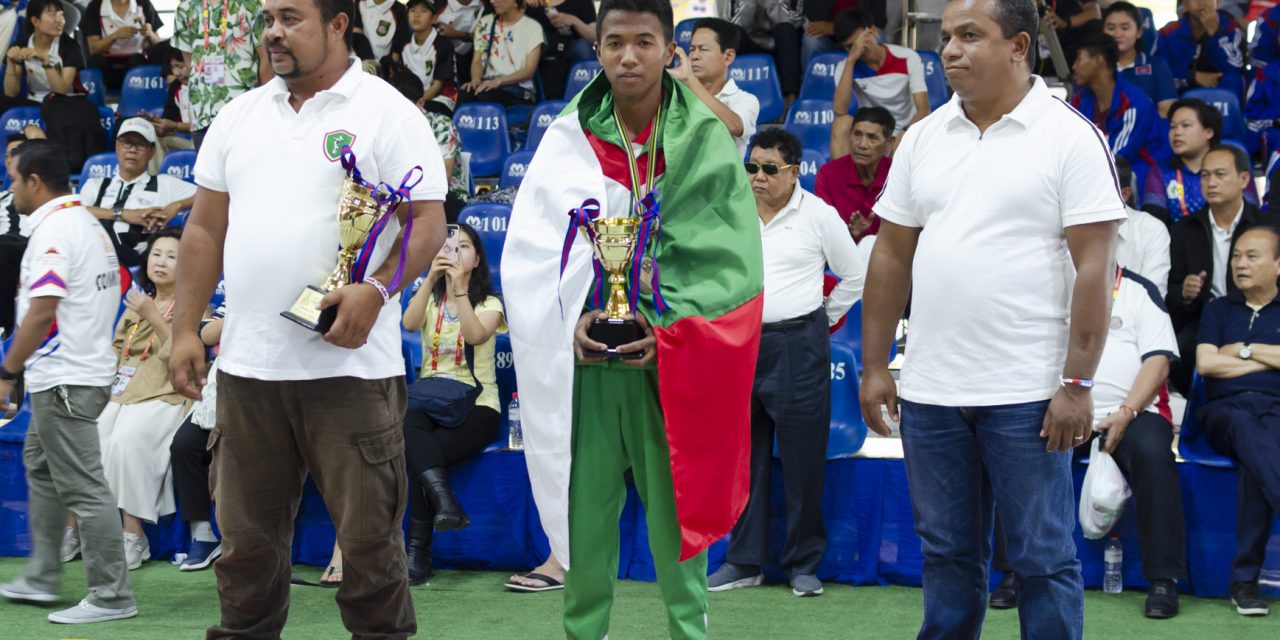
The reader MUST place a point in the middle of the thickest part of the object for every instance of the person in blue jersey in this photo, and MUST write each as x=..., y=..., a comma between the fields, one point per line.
x=1146, y=70
x=1262, y=111
x=1205, y=48
x=1121, y=110
x=1265, y=47
x=1172, y=191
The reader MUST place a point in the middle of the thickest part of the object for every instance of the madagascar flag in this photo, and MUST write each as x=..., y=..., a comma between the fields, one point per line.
x=708, y=253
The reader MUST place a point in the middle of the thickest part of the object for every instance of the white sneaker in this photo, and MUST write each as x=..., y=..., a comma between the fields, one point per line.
x=20, y=591
x=70, y=544
x=136, y=550
x=85, y=613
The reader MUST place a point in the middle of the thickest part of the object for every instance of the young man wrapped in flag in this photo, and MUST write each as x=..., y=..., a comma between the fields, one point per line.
x=678, y=416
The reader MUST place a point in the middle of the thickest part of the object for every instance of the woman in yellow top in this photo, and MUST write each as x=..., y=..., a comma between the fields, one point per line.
x=458, y=316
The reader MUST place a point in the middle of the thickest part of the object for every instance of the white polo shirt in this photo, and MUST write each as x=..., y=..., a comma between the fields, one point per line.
x=806, y=236
x=746, y=106
x=69, y=256
x=1140, y=328
x=1222, y=251
x=282, y=172
x=135, y=194
x=992, y=277
x=1142, y=246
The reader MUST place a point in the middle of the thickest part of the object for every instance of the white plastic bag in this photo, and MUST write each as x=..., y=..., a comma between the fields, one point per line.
x=1103, y=495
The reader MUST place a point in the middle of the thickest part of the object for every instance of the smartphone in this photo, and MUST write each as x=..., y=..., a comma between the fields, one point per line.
x=450, y=248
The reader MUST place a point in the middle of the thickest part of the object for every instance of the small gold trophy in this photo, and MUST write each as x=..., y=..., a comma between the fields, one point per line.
x=358, y=211
x=615, y=245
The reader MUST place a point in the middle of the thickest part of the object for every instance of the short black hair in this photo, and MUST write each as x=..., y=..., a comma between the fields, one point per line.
x=785, y=142
x=1208, y=116
x=329, y=9
x=1272, y=231
x=849, y=22
x=37, y=8
x=45, y=159
x=428, y=4
x=877, y=115
x=659, y=8
x=1241, y=158
x=1124, y=172
x=1126, y=8
x=726, y=32
x=142, y=279
x=408, y=84
x=14, y=137
x=1101, y=44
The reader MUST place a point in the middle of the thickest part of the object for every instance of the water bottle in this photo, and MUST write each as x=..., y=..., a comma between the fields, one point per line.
x=1113, y=561
x=515, y=437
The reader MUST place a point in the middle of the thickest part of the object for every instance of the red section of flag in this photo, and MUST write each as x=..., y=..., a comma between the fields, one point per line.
x=706, y=368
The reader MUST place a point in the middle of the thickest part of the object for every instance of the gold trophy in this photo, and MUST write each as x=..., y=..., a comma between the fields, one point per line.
x=615, y=245
x=358, y=211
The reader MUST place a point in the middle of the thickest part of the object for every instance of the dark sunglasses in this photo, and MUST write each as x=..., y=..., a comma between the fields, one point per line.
x=769, y=168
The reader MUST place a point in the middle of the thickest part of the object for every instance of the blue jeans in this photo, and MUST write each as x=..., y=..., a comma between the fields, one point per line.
x=960, y=460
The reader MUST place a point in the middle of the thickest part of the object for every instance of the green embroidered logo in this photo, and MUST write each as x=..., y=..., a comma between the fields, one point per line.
x=334, y=141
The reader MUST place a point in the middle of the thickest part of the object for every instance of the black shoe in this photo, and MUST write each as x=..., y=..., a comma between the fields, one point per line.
x=1162, y=600
x=419, y=552
x=1247, y=599
x=449, y=514
x=1006, y=594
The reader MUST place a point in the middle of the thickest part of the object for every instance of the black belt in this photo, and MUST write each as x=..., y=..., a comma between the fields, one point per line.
x=791, y=324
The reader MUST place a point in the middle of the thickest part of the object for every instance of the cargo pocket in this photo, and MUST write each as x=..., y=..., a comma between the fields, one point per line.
x=384, y=486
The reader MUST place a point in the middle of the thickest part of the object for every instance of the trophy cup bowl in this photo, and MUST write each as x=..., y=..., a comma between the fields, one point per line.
x=358, y=211
x=614, y=247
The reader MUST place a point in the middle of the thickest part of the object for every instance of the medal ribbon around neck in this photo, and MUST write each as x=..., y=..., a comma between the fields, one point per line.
x=647, y=207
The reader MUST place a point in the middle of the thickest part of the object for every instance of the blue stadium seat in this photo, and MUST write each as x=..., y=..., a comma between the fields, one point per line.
x=810, y=120
x=934, y=80
x=18, y=117
x=848, y=431
x=518, y=115
x=144, y=90
x=489, y=219
x=180, y=164
x=513, y=169
x=582, y=73
x=107, y=118
x=756, y=74
x=1193, y=444
x=684, y=32
x=482, y=127
x=93, y=83
x=820, y=78
x=810, y=161
x=1228, y=105
x=1149, y=29
x=102, y=165
x=541, y=119
x=504, y=362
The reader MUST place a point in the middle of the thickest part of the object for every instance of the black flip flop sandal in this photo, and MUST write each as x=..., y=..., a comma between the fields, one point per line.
x=551, y=584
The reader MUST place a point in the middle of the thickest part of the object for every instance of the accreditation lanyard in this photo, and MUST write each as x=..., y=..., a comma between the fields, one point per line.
x=1182, y=195
x=205, y=15
x=435, y=341
x=633, y=161
x=146, y=351
x=1115, y=291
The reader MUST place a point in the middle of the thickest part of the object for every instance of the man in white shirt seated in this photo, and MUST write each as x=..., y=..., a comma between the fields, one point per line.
x=705, y=70
x=14, y=231
x=134, y=202
x=1142, y=244
x=800, y=235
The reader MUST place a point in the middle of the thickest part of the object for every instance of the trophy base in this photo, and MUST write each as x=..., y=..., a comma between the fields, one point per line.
x=613, y=334
x=304, y=311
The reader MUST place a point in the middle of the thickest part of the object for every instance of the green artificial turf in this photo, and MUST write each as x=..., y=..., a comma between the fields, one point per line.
x=466, y=606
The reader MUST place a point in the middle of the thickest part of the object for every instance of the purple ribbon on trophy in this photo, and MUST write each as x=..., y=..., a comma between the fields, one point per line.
x=388, y=200
x=650, y=225
x=581, y=218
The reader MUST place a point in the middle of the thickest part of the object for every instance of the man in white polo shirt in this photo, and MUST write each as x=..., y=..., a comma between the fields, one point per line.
x=705, y=70
x=69, y=272
x=791, y=396
x=1000, y=216
x=292, y=400
x=1142, y=243
x=134, y=202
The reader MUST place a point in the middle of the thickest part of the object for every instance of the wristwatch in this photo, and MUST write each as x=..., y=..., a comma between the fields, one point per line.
x=1245, y=352
x=6, y=376
x=118, y=212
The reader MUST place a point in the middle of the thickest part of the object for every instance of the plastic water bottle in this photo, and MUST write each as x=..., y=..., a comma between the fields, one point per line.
x=1113, y=562
x=515, y=437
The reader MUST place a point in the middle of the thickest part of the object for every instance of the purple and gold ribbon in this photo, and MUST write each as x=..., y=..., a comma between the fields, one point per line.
x=581, y=218
x=388, y=200
x=650, y=226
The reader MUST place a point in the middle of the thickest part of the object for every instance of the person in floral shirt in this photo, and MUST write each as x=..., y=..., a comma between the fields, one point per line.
x=451, y=147
x=223, y=52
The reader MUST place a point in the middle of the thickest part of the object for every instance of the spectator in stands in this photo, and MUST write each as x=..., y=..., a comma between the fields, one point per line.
x=773, y=27
x=1122, y=21
x=851, y=183
x=569, y=27
x=456, y=21
x=1121, y=110
x=1262, y=111
x=1172, y=191
x=190, y=458
x=222, y=64
x=1200, y=249
x=48, y=64
x=458, y=316
x=508, y=45
x=705, y=71
x=883, y=75
x=175, y=123
x=14, y=232
x=67, y=274
x=429, y=57
x=1142, y=243
x=446, y=137
x=1073, y=20
x=120, y=34
x=1265, y=47
x=385, y=24
x=822, y=17
x=1238, y=352
x=1205, y=48
x=791, y=396
x=135, y=203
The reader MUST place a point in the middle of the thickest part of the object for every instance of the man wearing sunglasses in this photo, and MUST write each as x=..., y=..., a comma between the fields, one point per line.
x=801, y=235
